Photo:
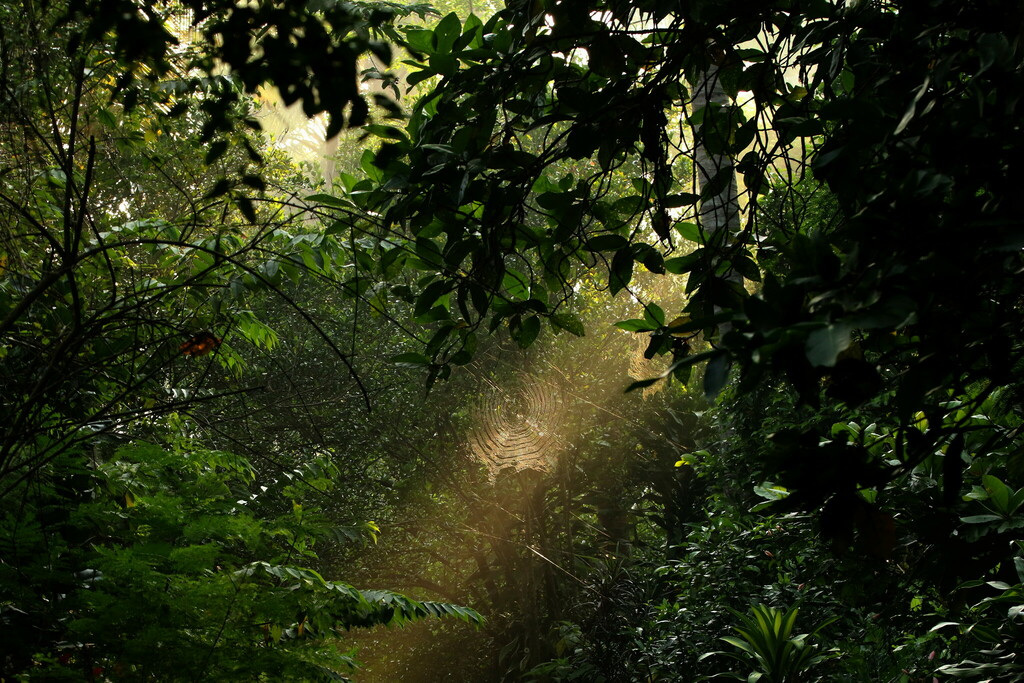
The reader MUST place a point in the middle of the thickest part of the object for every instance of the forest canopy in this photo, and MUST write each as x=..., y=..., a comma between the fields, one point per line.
x=795, y=226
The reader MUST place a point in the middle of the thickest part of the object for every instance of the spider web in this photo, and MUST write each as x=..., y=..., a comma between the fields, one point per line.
x=519, y=427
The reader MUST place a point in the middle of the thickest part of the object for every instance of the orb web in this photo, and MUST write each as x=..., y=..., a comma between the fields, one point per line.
x=518, y=427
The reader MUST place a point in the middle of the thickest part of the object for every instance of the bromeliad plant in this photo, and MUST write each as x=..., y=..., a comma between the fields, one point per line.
x=766, y=643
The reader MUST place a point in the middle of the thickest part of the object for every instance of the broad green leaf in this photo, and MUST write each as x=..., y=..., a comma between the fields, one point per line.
x=527, y=331
x=607, y=243
x=569, y=322
x=999, y=493
x=681, y=264
x=715, y=375
x=516, y=285
x=328, y=200
x=386, y=132
x=430, y=296
x=682, y=199
x=980, y=519
x=826, y=343
x=446, y=32
x=690, y=231
x=621, y=270
x=410, y=360
x=636, y=325
x=654, y=315
x=420, y=40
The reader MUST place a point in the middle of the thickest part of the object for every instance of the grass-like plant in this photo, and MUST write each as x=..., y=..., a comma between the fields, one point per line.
x=766, y=644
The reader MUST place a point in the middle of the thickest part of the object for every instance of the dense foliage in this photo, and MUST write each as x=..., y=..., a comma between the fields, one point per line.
x=794, y=225
x=871, y=139
x=139, y=269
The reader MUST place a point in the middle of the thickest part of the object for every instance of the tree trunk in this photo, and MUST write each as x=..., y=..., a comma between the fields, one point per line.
x=721, y=210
